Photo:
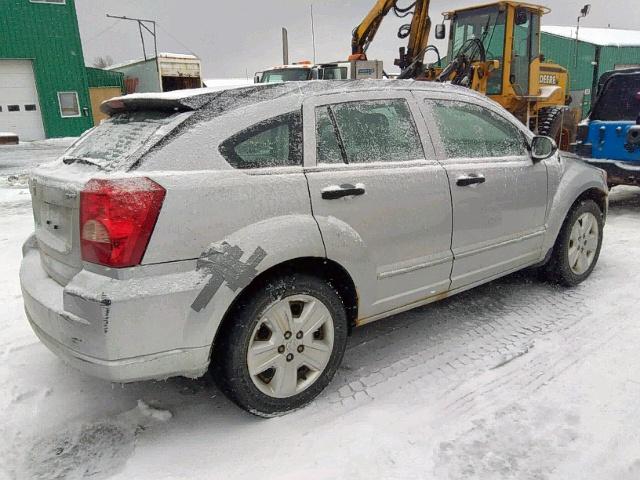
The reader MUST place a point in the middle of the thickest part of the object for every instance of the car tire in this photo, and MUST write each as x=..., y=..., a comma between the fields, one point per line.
x=576, y=251
x=270, y=362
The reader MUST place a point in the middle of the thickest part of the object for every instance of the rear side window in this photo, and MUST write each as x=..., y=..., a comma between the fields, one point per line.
x=471, y=131
x=369, y=131
x=276, y=142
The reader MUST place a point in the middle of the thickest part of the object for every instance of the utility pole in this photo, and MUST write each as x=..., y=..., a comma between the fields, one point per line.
x=149, y=26
x=313, y=35
x=285, y=46
x=583, y=13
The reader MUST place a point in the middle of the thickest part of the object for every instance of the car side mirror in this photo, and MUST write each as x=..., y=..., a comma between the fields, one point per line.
x=257, y=78
x=441, y=31
x=542, y=148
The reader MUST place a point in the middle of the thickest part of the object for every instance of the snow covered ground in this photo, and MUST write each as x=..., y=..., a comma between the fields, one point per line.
x=517, y=379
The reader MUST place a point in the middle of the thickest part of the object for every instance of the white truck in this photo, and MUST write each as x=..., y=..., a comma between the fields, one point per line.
x=341, y=70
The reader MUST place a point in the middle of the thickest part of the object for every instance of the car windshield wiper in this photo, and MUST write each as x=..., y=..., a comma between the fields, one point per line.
x=85, y=161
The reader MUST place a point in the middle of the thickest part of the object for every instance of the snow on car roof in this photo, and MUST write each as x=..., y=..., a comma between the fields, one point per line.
x=193, y=99
x=606, y=37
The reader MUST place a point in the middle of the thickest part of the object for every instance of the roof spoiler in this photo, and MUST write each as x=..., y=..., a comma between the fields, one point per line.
x=175, y=101
x=119, y=105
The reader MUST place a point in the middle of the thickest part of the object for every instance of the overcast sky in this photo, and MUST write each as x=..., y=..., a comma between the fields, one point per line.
x=240, y=37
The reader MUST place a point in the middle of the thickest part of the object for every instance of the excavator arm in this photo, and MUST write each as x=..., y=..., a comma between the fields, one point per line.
x=417, y=31
x=364, y=33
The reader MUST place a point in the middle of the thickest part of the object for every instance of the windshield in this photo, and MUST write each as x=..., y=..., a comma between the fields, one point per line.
x=487, y=24
x=119, y=141
x=334, y=73
x=620, y=99
x=286, y=75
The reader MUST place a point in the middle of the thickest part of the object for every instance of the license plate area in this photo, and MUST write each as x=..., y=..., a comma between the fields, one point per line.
x=53, y=228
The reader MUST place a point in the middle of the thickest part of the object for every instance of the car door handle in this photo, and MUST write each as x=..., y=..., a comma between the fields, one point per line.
x=471, y=179
x=334, y=192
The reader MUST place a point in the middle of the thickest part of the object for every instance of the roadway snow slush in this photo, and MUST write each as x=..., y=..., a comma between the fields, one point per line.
x=517, y=379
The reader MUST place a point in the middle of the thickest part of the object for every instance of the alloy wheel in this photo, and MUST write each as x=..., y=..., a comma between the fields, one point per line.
x=583, y=243
x=290, y=346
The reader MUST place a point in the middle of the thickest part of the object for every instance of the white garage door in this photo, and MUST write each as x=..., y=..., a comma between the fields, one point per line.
x=20, y=109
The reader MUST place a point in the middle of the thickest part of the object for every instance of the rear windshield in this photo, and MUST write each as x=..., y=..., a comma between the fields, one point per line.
x=620, y=100
x=117, y=143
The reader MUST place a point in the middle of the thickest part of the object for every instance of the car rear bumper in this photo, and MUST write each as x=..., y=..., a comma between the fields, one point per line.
x=618, y=173
x=109, y=335
x=144, y=367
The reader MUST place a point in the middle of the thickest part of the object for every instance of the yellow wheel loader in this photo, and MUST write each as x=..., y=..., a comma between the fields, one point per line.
x=493, y=49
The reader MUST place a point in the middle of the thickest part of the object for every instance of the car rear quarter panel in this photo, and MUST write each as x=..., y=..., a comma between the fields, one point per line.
x=211, y=206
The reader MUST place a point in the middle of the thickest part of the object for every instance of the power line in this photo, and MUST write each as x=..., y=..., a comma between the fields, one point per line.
x=175, y=39
x=102, y=32
x=142, y=24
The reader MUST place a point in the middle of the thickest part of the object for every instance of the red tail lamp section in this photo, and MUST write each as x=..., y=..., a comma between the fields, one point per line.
x=117, y=218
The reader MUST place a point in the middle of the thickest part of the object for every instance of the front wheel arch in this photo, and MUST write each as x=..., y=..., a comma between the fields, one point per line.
x=555, y=268
x=597, y=196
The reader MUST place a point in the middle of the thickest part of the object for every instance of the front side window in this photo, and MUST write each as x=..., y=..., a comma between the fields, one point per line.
x=69, y=106
x=276, y=142
x=367, y=131
x=471, y=131
x=59, y=2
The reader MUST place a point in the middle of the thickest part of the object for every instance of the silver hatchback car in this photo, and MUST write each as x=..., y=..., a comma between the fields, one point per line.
x=247, y=231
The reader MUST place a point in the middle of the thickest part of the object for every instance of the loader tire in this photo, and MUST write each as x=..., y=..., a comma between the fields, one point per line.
x=559, y=124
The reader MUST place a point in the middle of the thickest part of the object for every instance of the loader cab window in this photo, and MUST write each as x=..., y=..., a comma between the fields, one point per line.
x=487, y=24
x=526, y=47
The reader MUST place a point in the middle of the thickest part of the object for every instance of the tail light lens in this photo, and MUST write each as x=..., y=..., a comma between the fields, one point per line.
x=117, y=218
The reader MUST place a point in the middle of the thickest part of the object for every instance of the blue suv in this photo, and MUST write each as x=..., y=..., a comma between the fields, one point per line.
x=610, y=136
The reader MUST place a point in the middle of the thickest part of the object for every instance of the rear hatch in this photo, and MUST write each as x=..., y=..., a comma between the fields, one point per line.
x=113, y=147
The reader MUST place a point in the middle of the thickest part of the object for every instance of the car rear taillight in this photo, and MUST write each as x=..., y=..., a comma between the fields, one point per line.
x=117, y=218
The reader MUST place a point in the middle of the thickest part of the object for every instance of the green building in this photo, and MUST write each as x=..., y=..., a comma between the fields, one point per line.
x=44, y=85
x=595, y=51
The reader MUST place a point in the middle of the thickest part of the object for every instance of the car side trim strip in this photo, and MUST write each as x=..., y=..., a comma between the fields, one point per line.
x=413, y=268
x=520, y=237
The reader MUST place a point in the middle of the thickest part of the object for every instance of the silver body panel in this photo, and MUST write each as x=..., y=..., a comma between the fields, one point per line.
x=413, y=238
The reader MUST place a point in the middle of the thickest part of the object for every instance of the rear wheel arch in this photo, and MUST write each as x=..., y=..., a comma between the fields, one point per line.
x=322, y=268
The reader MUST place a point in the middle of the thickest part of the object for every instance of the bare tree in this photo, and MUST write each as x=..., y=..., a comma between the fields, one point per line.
x=103, y=62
